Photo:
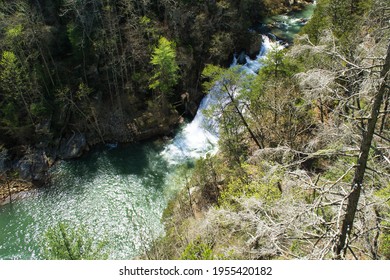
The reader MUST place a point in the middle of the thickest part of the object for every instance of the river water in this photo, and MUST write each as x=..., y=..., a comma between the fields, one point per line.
x=119, y=193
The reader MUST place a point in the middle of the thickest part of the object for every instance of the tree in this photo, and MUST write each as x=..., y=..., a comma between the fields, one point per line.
x=228, y=82
x=13, y=84
x=64, y=242
x=365, y=146
x=356, y=84
x=165, y=69
x=343, y=16
x=280, y=116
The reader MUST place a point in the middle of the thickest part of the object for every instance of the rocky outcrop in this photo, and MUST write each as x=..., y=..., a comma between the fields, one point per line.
x=28, y=166
x=33, y=166
x=73, y=146
x=254, y=48
x=150, y=125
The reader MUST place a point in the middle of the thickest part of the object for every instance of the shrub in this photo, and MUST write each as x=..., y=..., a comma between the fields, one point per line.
x=64, y=242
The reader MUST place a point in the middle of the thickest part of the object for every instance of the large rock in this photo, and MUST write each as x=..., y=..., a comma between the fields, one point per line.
x=254, y=48
x=33, y=166
x=241, y=58
x=73, y=146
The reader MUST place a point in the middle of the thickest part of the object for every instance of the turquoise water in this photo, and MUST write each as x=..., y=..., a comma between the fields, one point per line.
x=286, y=26
x=118, y=194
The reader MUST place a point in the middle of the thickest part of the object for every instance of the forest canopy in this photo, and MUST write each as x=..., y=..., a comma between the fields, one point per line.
x=86, y=65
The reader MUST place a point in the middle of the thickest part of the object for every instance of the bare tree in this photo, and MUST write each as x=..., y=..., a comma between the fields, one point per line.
x=357, y=183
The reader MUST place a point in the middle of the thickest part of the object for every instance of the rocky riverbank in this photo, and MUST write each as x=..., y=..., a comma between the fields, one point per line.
x=15, y=189
x=24, y=168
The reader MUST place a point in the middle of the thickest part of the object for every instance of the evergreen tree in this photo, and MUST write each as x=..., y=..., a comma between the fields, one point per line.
x=165, y=68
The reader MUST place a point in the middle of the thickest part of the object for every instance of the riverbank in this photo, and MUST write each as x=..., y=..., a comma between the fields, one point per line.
x=14, y=190
x=25, y=168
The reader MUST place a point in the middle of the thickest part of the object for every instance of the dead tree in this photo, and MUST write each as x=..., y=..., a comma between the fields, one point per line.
x=357, y=183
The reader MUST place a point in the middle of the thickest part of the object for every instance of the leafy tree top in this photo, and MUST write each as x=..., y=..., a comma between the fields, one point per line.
x=165, y=73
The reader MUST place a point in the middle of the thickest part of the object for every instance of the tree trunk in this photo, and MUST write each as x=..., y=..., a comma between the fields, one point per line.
x=9, y=191
x=357, y=182
x=253, y=136
x=387, y=97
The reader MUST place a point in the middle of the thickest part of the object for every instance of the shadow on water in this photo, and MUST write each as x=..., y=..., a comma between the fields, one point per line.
x=85, y=167
x=129, y=159
x=126, y=159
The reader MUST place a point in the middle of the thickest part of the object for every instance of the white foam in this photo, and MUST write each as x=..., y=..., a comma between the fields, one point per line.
x=200, y=137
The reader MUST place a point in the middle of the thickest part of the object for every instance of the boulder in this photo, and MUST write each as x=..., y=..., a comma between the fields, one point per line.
x=73, y=146
x=241, y=59
x=33, y=166
x=255, y=46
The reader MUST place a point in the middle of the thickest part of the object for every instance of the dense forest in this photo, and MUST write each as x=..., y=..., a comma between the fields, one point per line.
x=77, y=72
x=303, y=164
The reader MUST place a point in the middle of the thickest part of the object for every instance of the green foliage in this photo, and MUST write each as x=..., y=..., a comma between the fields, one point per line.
x=267, y=192
x=76, y=40
x=149, y=28
x=165, y=68
x=230, y=87
x=339, y=168
x=197, y=250
x=206, y=177
x=83, y=91
x=11, y=73
x=276, y=64
x=221, y=44
x=384, y=238
x=384, y=193
x=278, y=110
x=13, y=87
x=253, y=186
x=296, y=248
x=38, y=109
x=318, y=22
x=9, y=115
x=64, y=242
x=343, y=17
x=73, y=35
x=224, y=77
x=14, y=31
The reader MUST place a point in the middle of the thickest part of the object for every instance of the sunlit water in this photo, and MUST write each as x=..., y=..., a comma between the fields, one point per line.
x=119, y=193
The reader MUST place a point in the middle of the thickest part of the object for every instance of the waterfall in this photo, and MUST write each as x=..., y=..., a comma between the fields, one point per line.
x=200, y=136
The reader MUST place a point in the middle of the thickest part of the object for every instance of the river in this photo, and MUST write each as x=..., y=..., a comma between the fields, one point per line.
x=118, y=193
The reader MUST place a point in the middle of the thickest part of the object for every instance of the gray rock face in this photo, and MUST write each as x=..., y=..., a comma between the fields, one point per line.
x=33, y=166
x=241, y=59
x=255, y=46
x=72, y=147
x=35, y=163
